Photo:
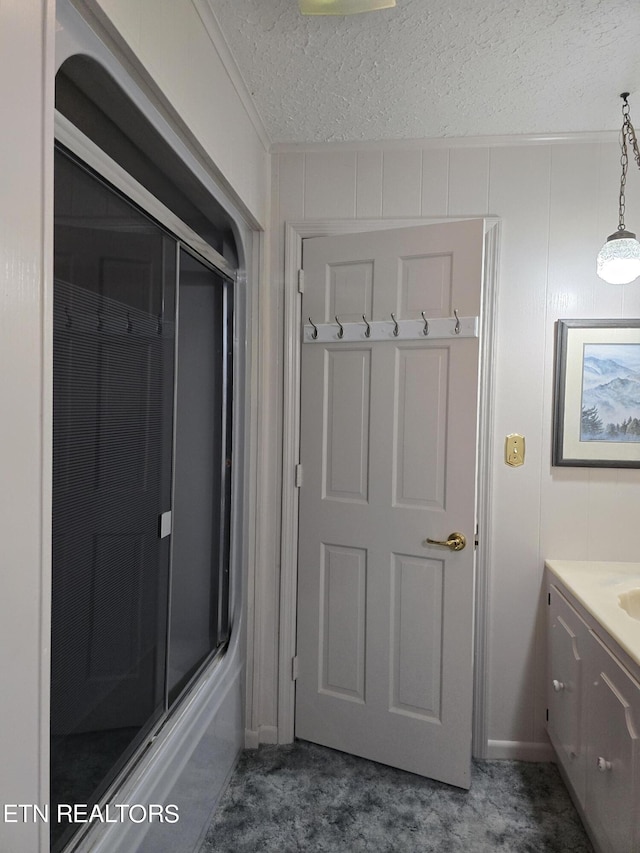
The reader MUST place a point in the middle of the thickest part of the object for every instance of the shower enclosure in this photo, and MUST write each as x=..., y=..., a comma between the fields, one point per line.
x=143, y=382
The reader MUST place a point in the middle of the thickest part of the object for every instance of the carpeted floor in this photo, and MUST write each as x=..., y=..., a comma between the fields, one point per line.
x=308, y=798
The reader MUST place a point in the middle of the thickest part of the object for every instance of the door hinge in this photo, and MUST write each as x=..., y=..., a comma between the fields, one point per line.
x=300, y=281
x=476, y=538
x=294, y=668
x=298, y=475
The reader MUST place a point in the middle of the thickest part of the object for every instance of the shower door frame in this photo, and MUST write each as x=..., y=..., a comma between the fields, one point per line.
x=164, y=733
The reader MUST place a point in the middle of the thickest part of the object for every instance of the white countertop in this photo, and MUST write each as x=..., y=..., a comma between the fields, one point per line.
x=597, y=585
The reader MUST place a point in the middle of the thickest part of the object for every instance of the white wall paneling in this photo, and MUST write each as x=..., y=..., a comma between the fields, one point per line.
x=401, y=183
x=557, y=203
x=26, y=176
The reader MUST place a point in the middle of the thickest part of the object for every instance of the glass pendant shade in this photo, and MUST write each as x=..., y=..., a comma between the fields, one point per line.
x=342, y=7
x=619, y=259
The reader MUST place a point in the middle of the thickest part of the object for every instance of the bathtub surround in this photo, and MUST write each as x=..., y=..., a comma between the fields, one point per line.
x=307, y=797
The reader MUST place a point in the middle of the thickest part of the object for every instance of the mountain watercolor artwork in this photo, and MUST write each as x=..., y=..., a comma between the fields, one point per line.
x=610, y=393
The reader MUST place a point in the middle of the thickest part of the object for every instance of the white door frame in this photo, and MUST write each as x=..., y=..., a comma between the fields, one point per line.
x=295, y=232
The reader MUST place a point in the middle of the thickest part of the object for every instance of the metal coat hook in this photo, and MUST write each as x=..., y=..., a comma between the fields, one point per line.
x=425, y=331
x=314, y=334
x=367, y=333
x=396, y=330
x=341, y=331
x=457, y=328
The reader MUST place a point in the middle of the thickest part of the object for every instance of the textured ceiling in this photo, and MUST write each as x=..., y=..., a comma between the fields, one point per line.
x=436, y=68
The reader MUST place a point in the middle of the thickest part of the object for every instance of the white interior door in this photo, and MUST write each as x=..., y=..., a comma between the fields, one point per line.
x=388, y=454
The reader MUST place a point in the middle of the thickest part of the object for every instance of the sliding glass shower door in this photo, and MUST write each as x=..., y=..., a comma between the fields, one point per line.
x=141, y=469
x=114, y=296
x=200, y=550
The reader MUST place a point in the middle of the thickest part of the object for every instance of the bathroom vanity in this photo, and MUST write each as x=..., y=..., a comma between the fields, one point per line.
x=594, y=694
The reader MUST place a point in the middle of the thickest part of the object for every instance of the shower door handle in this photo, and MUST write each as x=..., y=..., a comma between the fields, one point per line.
x=164, y=524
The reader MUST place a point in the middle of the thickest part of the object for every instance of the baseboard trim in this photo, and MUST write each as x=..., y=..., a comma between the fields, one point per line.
x=517, y=750
x=264, y=734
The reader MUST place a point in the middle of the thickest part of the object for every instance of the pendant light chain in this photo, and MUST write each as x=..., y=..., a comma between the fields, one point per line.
x=618, y=261
x=628, y=133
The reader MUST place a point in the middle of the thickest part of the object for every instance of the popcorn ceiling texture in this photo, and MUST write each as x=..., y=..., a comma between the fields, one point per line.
x=436, y=68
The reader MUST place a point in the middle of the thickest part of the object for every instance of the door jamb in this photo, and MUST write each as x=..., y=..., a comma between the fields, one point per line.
x=295, y=232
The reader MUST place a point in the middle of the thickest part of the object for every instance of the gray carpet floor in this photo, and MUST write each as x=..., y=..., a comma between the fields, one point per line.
x=308, y=798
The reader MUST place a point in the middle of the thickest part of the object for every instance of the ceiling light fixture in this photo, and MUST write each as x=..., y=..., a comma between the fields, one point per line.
x=342, y=7
x=619, y=259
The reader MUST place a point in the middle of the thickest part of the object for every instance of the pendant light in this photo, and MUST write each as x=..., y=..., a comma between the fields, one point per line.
x=619, y=259
x=342, y=7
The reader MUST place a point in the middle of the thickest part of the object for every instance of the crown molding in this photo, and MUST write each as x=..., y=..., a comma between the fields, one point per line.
x=605, y=136
x=207, y=15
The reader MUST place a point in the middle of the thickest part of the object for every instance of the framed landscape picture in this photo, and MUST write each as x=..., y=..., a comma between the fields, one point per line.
x=597, y=394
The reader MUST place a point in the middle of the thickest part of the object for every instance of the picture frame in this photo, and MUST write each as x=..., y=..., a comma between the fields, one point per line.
x=596, y=417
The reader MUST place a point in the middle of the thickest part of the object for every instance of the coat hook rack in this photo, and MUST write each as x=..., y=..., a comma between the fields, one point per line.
x=435, y=328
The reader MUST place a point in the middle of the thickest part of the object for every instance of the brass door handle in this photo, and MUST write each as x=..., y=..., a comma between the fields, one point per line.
x=456, y=542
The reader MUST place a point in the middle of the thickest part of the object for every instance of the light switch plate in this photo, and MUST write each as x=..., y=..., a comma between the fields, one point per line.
x=514, y=450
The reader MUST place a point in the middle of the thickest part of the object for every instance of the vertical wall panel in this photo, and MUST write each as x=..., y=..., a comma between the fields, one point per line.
x=401, y=183
x=435, y=182
x=468, y=181
x=522, y=338
x=330, y=184
x=573, y=292
x=369, y=184
x=291, y=186
x=26, y=214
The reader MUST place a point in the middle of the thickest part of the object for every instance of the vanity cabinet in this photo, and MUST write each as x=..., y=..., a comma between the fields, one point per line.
x=594, y=721
x=613, y=725
x=568, y=639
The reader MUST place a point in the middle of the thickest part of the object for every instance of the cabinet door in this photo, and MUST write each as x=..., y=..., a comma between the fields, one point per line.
x=613, y=710
x=567, y=637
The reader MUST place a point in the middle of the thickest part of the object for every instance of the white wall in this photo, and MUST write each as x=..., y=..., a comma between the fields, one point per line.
x=26, y=27
x=557, y=203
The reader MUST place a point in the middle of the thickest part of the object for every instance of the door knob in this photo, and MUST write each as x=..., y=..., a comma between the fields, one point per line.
x=455, y=542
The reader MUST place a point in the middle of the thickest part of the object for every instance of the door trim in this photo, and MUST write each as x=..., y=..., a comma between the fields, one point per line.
x=295, y=233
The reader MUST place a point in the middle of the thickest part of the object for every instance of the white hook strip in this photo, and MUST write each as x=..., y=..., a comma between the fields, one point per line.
x=440, y=328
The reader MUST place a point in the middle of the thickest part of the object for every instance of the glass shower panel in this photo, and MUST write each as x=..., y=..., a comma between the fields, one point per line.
x=114, y=310
x=200, y=549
